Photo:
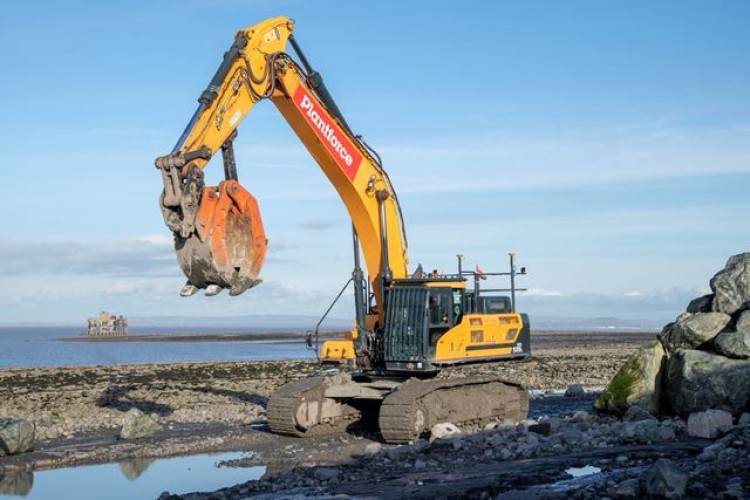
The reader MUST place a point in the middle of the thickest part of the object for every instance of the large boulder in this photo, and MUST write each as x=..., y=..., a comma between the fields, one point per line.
x=701, y=304
x=700, y=380
x=731, y=286
x=697, y=330
x=137, y=424
x=637, y=383
x=733, y=344
x=16, y=436
x=709, y=424
x=666, y=479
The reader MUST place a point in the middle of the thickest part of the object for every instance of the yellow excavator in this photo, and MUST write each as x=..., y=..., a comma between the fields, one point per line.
x=408, y=326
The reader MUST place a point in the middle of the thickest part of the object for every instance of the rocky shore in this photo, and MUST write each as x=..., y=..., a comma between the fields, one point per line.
x=66, y=402
x=79, y=413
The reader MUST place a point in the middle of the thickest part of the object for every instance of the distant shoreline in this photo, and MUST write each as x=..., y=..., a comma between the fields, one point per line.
x=291, y=337
x=206, y=337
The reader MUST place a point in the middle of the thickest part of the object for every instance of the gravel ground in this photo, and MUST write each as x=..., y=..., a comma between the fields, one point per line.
x=221, y=407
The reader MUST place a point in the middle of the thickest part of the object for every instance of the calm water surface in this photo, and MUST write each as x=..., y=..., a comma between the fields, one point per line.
x=35, y=347
x=139, y=478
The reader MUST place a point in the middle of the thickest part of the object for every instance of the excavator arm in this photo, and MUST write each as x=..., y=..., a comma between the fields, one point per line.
x=219, y=236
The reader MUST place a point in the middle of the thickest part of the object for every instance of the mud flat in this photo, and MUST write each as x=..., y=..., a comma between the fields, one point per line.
x=207, y=407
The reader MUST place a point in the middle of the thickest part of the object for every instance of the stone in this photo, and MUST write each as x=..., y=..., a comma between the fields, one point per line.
x=733, y=344
x=544, y=427
x=326, y=473
x=641, y=431
x=731, y=285
x=666, y=431
x=571, y=436
x=709, y=424
x=636, y=383
x=16, y=436
x=743, y=322
x=137, y=424
x=701, y=304
x=699, y=380
x=697, y=330
x=744, y=419
x=581, y=417
x=627, y=489
x=443, y=430
x=398, y=452
x=373, y=449
x=637, y=412
x=575, y=391
x=665, y=479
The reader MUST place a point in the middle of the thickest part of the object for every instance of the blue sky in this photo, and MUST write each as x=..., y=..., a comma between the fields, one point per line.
x=607, y=144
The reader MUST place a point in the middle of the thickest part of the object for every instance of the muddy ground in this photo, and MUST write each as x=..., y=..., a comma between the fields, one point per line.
x=207, y=407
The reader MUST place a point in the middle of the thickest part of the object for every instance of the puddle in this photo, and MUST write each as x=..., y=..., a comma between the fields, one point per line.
x=583, y=471
x=136, y=478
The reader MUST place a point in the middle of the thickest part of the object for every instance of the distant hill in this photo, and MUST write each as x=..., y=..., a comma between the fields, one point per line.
x=602, y=323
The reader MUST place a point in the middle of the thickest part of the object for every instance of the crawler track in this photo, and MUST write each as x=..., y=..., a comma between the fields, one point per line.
x=301, y=409
x=417, y=405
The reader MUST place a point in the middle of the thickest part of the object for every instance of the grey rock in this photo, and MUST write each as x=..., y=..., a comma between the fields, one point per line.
x=665, y=479
x=16, y=436
x=575, y=391
x=581, y=417
x=571, y=436
x=373, y=448
x=744, y=419
x=420, y=445
x=696, y=330
x=731, y=285
x=637, y=412
x=641, y=431
x=636, y=383
x=666, y=431
x=398, y=452
x=743, y=322
x=733, y=344
x=709, y=424
x=543, y=427
x=699, y=380
x=701, y=304
x=326, y=473
x=443, y=430
x=137, y=424
x=627, y=489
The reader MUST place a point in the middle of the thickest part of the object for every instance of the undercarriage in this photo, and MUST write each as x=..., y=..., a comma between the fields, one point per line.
x=405, y=408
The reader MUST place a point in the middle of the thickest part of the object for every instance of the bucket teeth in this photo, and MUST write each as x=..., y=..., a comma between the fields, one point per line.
x=188, y=289
x=241, y=286
x=212, y=290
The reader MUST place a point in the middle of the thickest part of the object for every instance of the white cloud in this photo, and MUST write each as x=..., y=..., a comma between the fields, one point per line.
x=501, y=161
x=155, y=239
x=541, y=292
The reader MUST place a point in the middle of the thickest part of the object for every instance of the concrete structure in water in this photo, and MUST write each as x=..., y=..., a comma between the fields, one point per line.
x=106, y=325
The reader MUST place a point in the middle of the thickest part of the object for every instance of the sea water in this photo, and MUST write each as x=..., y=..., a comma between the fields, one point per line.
x=45, y=346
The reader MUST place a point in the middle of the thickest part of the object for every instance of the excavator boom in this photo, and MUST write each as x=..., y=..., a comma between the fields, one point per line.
x=219, y=234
